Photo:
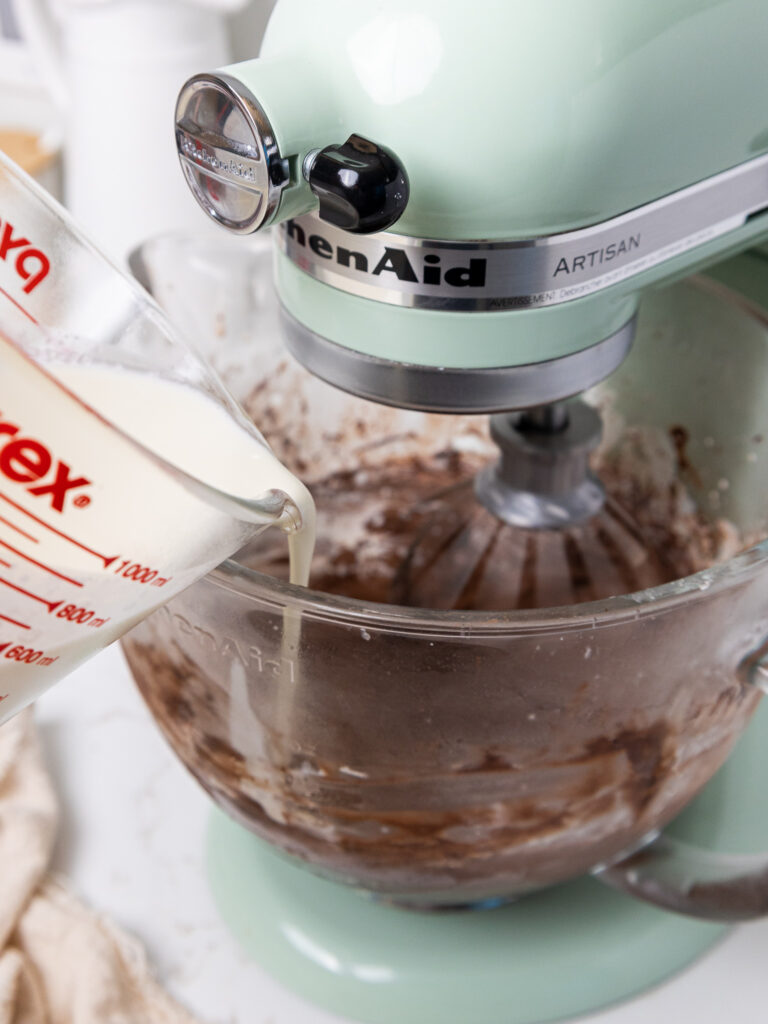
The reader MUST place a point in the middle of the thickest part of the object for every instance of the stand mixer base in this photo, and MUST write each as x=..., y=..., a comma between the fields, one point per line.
x=567, y=951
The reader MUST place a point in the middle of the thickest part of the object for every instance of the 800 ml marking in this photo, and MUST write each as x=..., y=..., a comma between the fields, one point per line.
x=141, y=573
x=84, y=616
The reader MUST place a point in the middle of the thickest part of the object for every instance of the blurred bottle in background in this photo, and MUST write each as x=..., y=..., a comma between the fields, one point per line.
x=114, y=69
x=30, y=124
x=247, y=28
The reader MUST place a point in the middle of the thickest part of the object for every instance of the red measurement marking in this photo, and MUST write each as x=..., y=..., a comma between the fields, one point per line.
x=40, y=565
x=21, y=625
x=65, y=536
x=6, y=564
x=28, y=593
x=18, y=529
x=10, y=298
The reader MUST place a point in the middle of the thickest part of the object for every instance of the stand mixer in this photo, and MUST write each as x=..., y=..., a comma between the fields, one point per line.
x=467, y=210
x=415, y=278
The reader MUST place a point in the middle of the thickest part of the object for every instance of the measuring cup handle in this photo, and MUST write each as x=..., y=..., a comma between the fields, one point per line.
x=700, y=883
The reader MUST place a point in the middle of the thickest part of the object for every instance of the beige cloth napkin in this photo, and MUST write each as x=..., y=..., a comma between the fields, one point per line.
x=60, y=963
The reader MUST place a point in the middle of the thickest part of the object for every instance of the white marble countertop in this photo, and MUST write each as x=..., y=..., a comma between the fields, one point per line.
x=131, y=842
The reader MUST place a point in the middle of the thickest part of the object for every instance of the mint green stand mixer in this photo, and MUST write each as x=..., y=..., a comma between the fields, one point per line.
x=468, y=205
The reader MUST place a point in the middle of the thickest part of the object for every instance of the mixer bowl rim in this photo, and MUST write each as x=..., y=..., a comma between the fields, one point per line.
x=249, y=583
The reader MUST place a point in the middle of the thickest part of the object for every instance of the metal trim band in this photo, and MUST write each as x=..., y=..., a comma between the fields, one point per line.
x=455, y=390
x=470, y=276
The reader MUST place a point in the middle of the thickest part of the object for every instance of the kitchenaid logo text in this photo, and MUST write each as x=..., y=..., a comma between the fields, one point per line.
x=31, y=264
x=469, y=275
x=596, y=257
x=392, y=261
x=27, y=461
x=206, y=157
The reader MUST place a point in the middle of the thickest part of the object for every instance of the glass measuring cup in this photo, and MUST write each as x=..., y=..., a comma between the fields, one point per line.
x=126, y=471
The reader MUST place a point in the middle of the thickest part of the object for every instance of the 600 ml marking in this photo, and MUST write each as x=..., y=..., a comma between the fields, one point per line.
x=26, y=655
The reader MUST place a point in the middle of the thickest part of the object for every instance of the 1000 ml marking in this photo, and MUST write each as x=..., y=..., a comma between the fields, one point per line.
x=27, y=655
x=141, y=573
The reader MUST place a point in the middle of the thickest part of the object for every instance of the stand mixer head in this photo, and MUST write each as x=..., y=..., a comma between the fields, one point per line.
x=480, y=241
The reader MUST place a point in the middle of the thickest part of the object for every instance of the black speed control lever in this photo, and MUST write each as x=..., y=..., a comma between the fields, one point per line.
x=362, y=187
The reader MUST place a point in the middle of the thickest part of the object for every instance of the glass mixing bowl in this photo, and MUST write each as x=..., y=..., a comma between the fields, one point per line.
x=443, y=758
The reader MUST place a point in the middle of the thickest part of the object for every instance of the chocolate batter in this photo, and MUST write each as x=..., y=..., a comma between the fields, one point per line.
x=408, y=531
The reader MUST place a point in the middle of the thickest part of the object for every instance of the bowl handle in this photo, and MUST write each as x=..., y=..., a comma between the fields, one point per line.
x=700, y=883
x=683, y=878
